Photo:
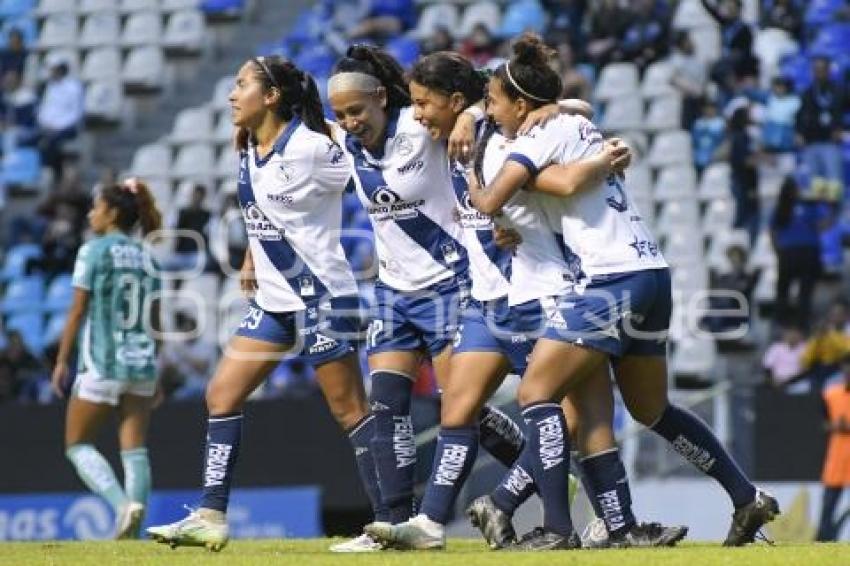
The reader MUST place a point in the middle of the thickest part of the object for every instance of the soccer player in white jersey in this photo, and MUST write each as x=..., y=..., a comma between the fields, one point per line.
x=115, y=286
x=403, y=179
x=619, y=310
x=493, y=337
x=291, y=180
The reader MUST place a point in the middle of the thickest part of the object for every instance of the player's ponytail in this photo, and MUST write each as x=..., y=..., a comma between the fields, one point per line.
x=529, y=73
x=135, y=205
x=299, y=95
x=379, y=64
x=448, y=72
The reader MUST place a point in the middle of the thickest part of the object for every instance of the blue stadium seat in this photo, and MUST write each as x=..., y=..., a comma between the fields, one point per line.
x=25, y=25
x=59, y=295
x=798, y=69
x=223, y=7
x=31, y=327
x=15, y=8
x=833, y=40
x=821, y=12
x=24, y=294
x=55, y=327
x=16, y=260
x=405, y=50
x=523, y=15
x=317, y=59
x=21, y=167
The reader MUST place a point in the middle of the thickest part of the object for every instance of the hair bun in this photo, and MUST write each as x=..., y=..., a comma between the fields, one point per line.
x=530, y=50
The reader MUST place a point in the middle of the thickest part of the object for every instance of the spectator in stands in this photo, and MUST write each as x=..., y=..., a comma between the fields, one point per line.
x=785, y=15
x=780, y=112
x=781, y=361
x=743, y=159
x=440, y=40
x=829, y=344
x=690, y=77
x=737, y=61
x=21, y=370
x=732, y=285
x=14, y=56
x=607, y=22
x=186, y=364
x=576, y=84
x=237, y=238
x=18, y=112
x=645, y=38
x=480, y=46
x=384, y=19
x=795, y=234
x=819, y=131
x=709, y=135
x=193, y=218
x=59, y=116
x=59, y=244
x=566, y=21
x=836, y=465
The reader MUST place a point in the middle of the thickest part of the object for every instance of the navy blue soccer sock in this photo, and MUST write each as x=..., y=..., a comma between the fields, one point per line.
x=696, y=443
x=500, y=435
x=393, y=446
x=547, y=441
x=580, y=471
x=610, y=494
x=361, y=436
x=453, y=460
x=224, y=433
x=516, y=487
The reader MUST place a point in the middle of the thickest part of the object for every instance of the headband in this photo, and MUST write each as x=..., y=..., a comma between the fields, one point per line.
x=519, y=88
x=346, y=81
x=259, y=61
x=131, y=185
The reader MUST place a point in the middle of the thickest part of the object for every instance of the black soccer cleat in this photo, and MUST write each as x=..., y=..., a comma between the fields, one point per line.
x=541, y=539
x=749, y=519
x=495, y=525
x=648, y=535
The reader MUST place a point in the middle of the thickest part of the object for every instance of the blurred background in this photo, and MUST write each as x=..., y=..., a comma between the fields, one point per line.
x=735, y=111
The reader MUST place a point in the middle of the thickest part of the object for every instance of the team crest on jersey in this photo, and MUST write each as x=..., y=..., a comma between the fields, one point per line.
x=286, y=172
x=403, y=145
x=258, y=225
x=388, y=205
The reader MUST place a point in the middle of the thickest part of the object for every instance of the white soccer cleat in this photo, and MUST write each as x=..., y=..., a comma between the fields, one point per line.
x=595, y=535
x=194, y=530
x=419, y=533
x=129, y=521
x=362, y=543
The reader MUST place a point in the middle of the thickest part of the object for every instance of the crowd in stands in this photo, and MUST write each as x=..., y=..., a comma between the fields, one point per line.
x=762, y=89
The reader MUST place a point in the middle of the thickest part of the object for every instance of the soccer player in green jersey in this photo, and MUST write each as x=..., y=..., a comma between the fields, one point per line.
x=115, y=306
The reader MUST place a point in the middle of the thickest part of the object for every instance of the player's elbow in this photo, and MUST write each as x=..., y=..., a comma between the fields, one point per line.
x=488, y=206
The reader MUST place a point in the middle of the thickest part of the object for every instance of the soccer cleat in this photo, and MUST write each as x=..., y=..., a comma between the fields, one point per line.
x=541, y=539
x=418, y=533
x=595, y=535
x=194, y=530
x=495, y=525
x=749, y=519
x=363, y=543
x=129, y=521
x=648, y=535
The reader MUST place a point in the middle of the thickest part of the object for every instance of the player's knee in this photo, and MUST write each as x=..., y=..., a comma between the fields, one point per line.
x=346, y=410
x=220, y=400
x=458, y=411
x=646, y=414
x=529, y=393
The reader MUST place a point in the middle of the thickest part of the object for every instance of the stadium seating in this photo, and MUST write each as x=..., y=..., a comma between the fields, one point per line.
x=59, y=294
x=436, y=16
x=617, y=80
x=486, y=13
x=24, y=294
x=31, y=327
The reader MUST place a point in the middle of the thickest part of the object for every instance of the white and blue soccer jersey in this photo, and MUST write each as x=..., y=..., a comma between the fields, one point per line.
x=489, y=265
x=408, y=193
x=538, y=268
x=601, y=226
x=292, y=204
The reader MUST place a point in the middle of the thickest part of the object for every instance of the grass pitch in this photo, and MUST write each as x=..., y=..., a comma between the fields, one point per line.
x=460, y=553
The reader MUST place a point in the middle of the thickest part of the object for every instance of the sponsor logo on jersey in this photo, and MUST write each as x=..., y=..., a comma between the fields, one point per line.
x=258, y=225
x=645, y=248
x=281, y=198
x=388, y=205
x=469, y=217
x=411, y=166
x=127, y=256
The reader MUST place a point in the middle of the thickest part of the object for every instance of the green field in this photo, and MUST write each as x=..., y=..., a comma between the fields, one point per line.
x=460, y=553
